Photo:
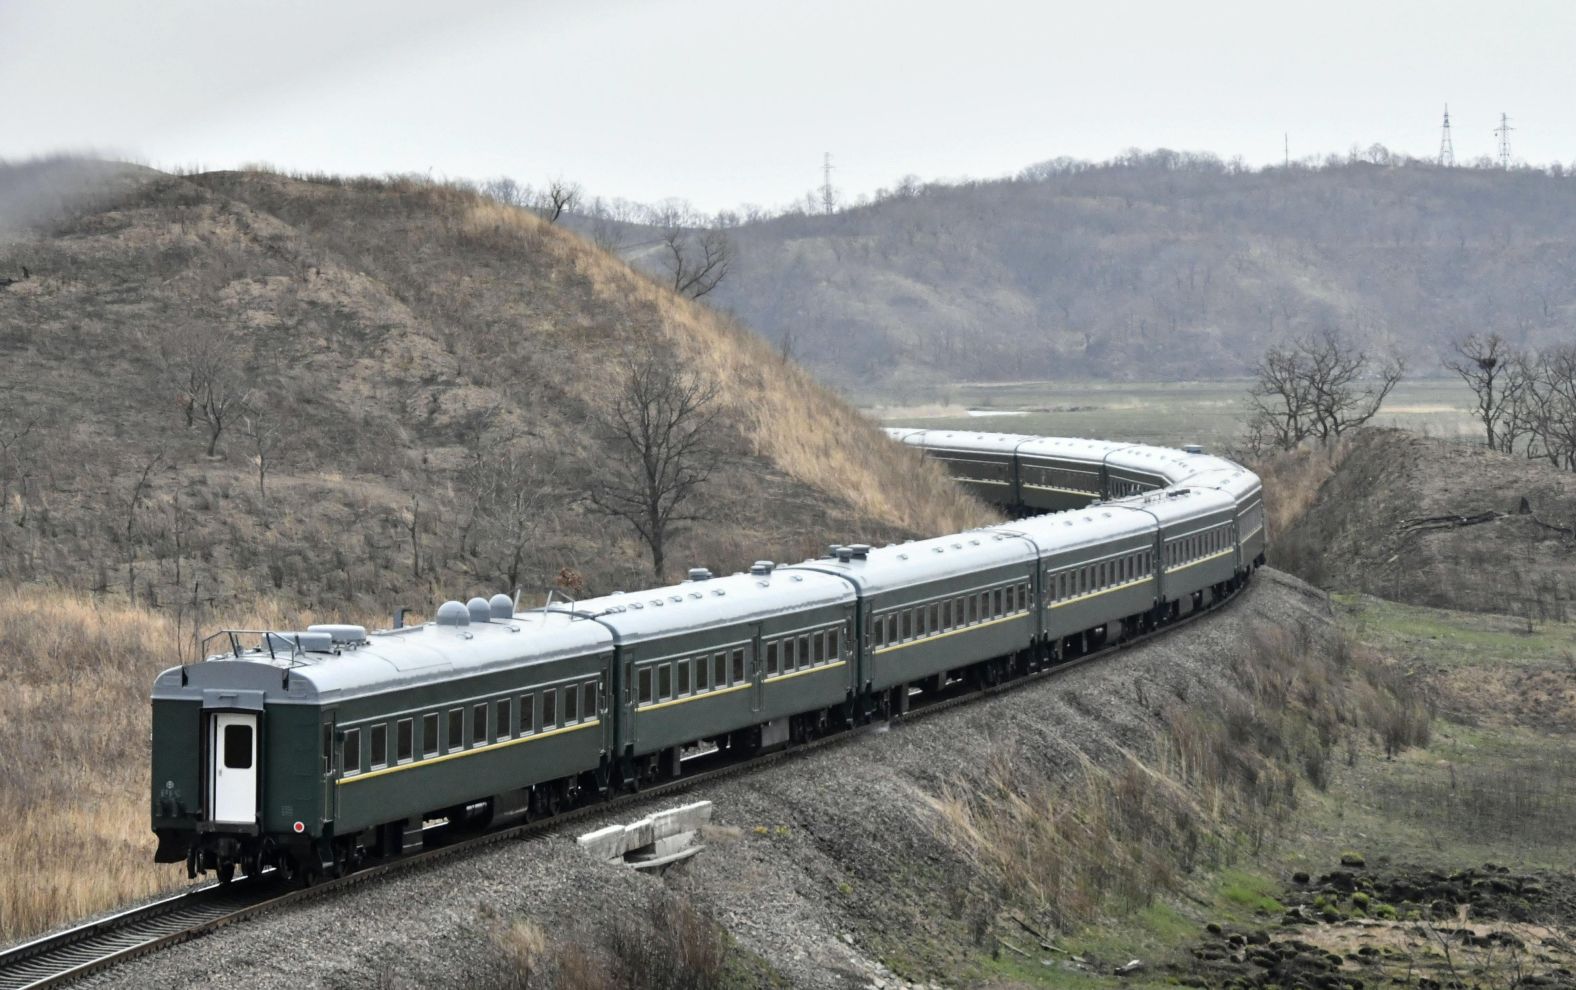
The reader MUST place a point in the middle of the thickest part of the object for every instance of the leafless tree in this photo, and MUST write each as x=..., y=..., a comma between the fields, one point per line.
x=206, y=368
x=263, y=434
x=697, y=260
x=1548, y=407
x=507, y=191
x=1320, y=387
x=661, y=434
x=1493, y=370
x=513, y=505
x=133, y=506
x=558, y=195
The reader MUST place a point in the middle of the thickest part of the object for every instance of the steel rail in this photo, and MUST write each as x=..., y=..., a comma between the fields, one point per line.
x=98, y=945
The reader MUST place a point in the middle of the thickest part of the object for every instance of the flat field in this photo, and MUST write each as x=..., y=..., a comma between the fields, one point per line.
x=1169, y=413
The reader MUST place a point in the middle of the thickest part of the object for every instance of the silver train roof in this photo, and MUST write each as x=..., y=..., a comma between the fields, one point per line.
x=710, y=603
x=392, y=659
x=904, y=565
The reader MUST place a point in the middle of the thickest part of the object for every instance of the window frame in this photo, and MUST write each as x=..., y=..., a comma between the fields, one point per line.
x=377, y=732
x=351, y=741
x=404, y=740
x=430, y=736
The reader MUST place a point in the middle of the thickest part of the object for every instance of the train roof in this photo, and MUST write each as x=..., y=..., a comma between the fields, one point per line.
x=1068, y=449
x=1073, y=529
x=710, y=603
x=391, y=659
x=903, y=565
x=1234, y=479
x=1173, y=506
x=967, y=440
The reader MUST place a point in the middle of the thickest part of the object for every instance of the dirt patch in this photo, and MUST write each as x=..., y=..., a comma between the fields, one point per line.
x=1356, y=927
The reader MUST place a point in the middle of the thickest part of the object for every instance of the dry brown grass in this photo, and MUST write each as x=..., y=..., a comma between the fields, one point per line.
x=1292, y=479
x=74, y=753
x=1221, y=776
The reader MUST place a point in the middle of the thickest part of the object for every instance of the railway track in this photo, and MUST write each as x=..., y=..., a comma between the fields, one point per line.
x=68, y=955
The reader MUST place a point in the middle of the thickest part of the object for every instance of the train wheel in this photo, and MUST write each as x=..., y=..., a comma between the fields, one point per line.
x=226, y=872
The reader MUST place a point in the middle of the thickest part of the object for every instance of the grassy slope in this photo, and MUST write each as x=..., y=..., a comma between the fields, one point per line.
x=400, y=331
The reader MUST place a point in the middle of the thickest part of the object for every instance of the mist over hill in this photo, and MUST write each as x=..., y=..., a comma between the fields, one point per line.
x=1157, y=266
x=425, y=357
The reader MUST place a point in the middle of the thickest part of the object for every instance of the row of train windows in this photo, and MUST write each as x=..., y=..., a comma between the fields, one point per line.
x=697, y=675
x=791, y=653
x=1121, y=487
x=1201, y=544
x=487, y=721
x=934, y=618
x=1065, y=478
x=1096, y=577
x=972, y=470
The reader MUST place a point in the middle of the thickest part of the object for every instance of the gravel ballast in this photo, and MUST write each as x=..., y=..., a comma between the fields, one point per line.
x=816, y=863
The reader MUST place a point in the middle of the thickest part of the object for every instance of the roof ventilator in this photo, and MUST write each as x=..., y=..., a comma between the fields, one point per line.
x=346, y=635
x=453, y=614
x=861, y=550
x=845, y=554
x=479, y=609
x=761, y=568
x=501, y=606
x=699, y=574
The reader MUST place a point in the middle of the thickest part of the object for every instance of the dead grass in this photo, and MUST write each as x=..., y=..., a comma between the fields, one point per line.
x=74, y=729
x=1219, y=780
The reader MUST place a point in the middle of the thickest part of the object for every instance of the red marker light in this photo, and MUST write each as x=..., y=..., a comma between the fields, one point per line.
x=299, y=827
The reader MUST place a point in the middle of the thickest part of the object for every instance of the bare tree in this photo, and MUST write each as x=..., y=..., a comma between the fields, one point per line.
x=506, y=191
x=661, y=434
x=559, y=195
x=1318, y=388
x=697, y=260
x=513, y=501
x=133, y=506
x=265, y=437
x=206, y=369
x=1491, y=369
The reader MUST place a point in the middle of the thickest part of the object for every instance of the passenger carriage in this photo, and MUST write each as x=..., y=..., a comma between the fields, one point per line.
x=932, y=609
x=308, y=749
x=750, y=659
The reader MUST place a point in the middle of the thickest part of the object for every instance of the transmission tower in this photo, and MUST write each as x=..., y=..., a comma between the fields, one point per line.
x=1503, y=130
x=828, y=198
x=1447, y=150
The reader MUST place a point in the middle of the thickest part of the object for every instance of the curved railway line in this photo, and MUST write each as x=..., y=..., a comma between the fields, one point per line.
x=99, y=945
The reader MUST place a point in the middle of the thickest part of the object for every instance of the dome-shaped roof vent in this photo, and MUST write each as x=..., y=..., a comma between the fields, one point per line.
x=479, y=609
x=502, y=607
x=453, y=614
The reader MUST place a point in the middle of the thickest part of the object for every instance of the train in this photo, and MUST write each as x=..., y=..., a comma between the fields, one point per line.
x=307, y=751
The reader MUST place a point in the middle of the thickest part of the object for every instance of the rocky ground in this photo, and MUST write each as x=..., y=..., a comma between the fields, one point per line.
x=1356, y=927
x=828, y=868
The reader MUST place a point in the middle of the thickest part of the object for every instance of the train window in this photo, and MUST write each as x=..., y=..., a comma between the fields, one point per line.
x=738, y=665
x=1023, y=597
x=1012, y=598
x=456, y=729
x=919, y=621
x=935, y=618
x=479, y=725
x=550, y=707
x=702, y=674
x=645, y=685
x=946, y=614
x=804, y=651
x=664, y=682
x=404, y=741
x=527, y=713
x=683, y=668
x=571, y=702
x=818, y=648
x=719, y=670
x=504, y=725
x=429, y=734
x=588, y=697
x=350, y=751
x=771, y=659
x=789, y=646
x=996, y=600
x=238, y=747
x=328, y=748
x=833, y=647
x=974, y=608
x=878, y=636
x=380, y=745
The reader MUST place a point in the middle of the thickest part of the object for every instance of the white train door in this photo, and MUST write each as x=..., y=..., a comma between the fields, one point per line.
x=233, y=757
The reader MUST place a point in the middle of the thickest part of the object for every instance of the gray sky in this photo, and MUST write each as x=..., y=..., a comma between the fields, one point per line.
x=732, y=101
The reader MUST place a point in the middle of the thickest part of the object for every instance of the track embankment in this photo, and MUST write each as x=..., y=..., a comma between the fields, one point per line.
x=820, y=865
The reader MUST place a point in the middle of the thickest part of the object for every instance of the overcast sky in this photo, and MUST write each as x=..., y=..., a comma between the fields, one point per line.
x=731, y=101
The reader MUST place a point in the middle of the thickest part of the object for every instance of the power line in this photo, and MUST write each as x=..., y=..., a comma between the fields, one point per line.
x=1503, y=130
x=1447, y=150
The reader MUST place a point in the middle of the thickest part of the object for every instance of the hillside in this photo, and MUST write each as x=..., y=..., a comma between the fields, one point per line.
x=1156, y=267
x=414, y=346
x=1443, y=524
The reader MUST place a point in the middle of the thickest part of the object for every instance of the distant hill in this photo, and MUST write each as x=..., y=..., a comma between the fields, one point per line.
x=1159, y=266
x=405, y=339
